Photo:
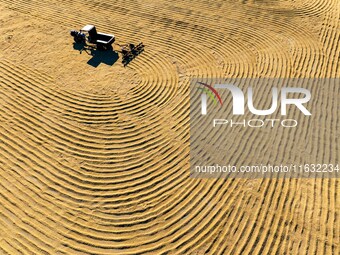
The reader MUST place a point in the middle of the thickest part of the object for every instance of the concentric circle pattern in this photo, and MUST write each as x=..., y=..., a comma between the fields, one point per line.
x=95, y=159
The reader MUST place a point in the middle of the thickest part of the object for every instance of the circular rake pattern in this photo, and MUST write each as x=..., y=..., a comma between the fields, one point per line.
x=105, y=170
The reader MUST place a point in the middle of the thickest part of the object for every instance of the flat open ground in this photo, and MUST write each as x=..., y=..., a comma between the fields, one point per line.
x=94, y=157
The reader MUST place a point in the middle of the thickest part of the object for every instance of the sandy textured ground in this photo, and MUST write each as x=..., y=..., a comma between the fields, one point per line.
x=94, y=160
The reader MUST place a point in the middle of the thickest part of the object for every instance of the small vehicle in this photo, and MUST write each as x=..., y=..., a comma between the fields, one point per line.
x=89, y=34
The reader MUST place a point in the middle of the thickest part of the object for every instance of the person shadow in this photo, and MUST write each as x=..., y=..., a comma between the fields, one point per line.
x=108, y=57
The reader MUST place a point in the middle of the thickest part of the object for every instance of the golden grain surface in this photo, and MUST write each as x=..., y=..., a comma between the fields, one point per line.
x=95, y=160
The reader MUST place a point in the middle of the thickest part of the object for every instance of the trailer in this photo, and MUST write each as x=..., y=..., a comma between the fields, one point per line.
x=89, y=34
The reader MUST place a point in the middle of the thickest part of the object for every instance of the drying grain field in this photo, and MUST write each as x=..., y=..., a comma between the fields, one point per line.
x=94, y=157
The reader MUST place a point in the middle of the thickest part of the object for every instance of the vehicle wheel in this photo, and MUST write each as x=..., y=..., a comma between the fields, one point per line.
x=77, y=39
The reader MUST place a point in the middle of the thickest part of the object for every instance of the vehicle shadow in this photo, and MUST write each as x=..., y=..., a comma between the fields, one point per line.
x=108, y=57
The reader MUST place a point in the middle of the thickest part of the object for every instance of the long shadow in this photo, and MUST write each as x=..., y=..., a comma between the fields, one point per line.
x=108, y=57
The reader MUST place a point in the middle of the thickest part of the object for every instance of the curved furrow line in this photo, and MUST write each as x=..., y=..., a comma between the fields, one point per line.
x=28, y=235
x=244, y=233
x=36, y=106
x=115, y=167
x=110, y=108
x=280, y=24
x=27, y=223
x=287, y=208
x=38, y=89
x=62, y=216
x=316, y=8
x=71, y=180
x=269, y=221
x=67, y=98
x=329, y=37
x=229, y=196
x=62, y=142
